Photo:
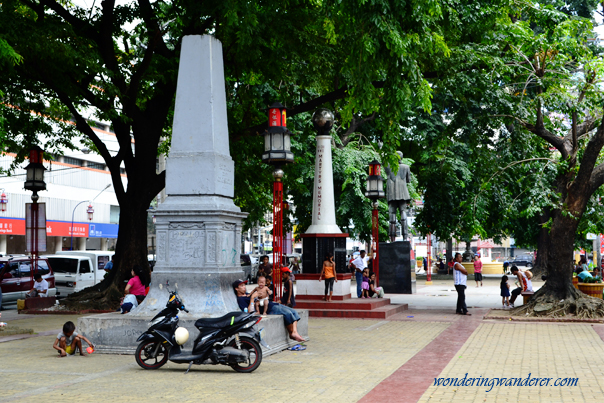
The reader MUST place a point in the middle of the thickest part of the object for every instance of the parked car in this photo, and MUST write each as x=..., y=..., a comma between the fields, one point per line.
x=74, y=273
x=99, y=258
x=17, y=278
x=522, y=260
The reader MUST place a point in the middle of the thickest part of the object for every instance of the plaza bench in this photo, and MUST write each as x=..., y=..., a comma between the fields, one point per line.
x=526, y=296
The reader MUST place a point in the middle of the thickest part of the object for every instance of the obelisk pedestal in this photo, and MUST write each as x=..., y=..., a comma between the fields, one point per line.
x=323, y=235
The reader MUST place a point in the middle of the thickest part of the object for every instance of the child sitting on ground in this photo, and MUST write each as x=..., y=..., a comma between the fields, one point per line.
x=263, y=293
x=365, y=283
x=505, y=292
x=68, y=341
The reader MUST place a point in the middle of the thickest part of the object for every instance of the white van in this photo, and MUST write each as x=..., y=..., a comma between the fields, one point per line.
x=99, y=257
x=73, y=273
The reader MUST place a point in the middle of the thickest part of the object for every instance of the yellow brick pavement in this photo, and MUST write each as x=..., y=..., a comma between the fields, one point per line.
x=345, y=359
x=515, y=350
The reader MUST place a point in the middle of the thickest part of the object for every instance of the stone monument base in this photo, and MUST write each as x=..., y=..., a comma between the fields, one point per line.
x=308, y=287
x=316, y=246
x=114, y=333
x=397, y=269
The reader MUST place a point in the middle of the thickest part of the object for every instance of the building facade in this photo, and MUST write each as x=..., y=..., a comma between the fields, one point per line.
x=74, y=180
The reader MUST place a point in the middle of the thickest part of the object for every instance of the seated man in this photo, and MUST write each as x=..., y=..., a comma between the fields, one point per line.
x=40, y=287
x=522, y=280
x=583, y=275
x=290, y=316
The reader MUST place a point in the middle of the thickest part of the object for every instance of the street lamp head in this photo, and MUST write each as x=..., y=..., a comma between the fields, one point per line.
x=322, y=120
x=277, y=142
x=3, y=202
x=34, y=177
x=375, y=182
x=90, y=212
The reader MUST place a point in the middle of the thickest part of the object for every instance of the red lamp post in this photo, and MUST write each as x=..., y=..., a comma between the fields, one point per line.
x=429, y=274
x=375, y=191
x=277, y=151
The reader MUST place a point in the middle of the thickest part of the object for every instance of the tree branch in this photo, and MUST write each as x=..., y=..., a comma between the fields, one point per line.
x=556, y=141
x=354, y=125
x=582, y=182
x=83, y=126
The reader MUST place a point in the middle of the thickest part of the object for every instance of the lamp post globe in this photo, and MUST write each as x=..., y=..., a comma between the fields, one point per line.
x=322, y=120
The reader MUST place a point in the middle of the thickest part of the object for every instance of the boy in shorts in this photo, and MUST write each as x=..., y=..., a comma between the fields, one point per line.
x=69, y=340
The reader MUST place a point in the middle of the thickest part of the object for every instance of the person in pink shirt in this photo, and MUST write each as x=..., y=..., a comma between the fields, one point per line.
x=477, y=269
x=138, y=283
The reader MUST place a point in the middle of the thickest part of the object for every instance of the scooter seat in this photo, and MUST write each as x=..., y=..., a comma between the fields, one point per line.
x=224, y=321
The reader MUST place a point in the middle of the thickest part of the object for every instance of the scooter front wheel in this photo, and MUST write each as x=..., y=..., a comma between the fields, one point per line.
x=255, y=354
x=151, y=354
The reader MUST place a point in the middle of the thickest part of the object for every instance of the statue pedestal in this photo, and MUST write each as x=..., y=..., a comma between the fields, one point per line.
x=316, y=246
x=308, y=287
x=397, y=269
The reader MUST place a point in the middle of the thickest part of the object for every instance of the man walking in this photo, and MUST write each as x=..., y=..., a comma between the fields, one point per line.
x=460, y=276
x=360, y=264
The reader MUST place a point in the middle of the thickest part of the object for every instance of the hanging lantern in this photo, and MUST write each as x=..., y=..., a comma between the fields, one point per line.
x=375, y=182
x=3, y=202
x=90, y=212
x=277, y=143
x=34, y=177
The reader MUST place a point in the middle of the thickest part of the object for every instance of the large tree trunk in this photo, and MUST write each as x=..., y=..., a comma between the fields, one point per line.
x=130, y=250
x=558, y=296
x=543, y=243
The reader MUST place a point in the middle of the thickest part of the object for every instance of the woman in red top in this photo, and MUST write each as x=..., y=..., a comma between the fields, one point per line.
x=138, y=283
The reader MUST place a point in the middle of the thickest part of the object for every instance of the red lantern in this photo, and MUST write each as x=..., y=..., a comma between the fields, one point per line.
x=375, y=183
x=90, y=212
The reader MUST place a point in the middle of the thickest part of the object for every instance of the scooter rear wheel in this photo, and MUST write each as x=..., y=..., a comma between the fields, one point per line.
x=147, y=357
x=255, y=354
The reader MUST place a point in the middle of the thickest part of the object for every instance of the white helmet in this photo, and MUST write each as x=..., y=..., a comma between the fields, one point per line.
x=181, y=335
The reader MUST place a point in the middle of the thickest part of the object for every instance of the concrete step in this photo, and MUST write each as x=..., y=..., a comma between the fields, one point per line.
x=355, y=304
x=383, y=312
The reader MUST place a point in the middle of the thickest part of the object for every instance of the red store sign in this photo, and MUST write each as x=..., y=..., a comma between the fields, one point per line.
x=16, y=226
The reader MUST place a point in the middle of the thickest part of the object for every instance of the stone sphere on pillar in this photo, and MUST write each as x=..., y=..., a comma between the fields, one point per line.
x=278, y=173
x=323, y=119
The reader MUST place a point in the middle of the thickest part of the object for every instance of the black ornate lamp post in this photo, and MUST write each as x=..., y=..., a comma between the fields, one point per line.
x=34, y=181
x=277, y=151
x=375, y=191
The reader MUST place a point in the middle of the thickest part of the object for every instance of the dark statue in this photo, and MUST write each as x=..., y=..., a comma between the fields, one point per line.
x=398, y=197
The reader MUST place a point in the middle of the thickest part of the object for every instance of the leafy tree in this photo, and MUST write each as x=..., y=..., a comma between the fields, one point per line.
x=119, y=63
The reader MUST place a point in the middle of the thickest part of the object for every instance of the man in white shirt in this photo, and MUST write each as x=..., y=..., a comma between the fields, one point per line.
x=460, y=276
x=40, y=287
x=360, y=263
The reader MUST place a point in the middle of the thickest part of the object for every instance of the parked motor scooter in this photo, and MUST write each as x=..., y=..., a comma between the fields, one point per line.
x=229, y=340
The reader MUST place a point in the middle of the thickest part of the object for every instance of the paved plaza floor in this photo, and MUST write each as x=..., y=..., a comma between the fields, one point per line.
x=394, y=360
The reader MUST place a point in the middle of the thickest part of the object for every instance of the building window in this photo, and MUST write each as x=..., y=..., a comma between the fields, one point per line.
x=73, y=161
x=96, y=165
x=114, y=214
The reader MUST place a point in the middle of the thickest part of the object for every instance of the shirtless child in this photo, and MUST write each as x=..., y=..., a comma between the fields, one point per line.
x=263, y=293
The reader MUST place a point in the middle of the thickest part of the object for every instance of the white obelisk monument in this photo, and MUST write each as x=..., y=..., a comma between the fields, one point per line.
x=323, y=207
x=198, y=225
x=323, y=235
